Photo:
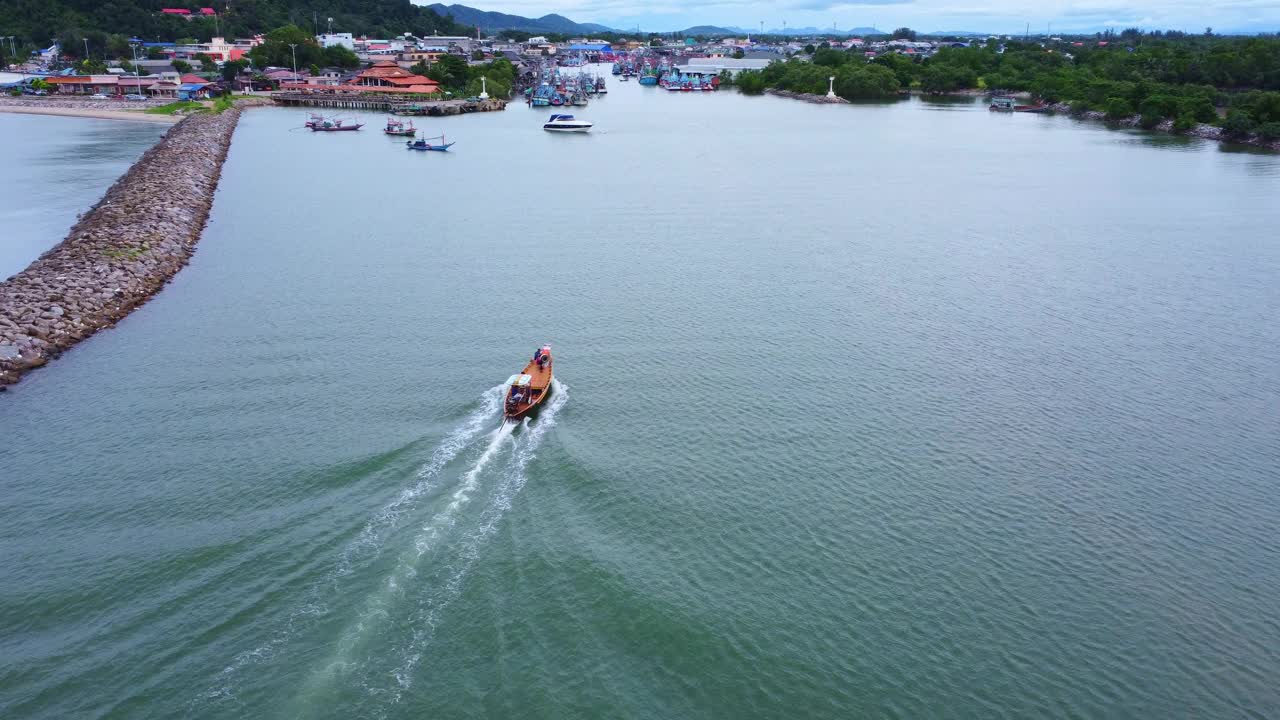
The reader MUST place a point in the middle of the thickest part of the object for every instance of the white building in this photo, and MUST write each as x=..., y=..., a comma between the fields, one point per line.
x=328, y=40
x=702, y=65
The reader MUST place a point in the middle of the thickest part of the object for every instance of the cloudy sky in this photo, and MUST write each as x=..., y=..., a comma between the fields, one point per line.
x=925, y=15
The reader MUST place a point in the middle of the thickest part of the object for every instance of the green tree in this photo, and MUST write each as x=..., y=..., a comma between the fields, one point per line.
x=231, y=69
x=738, y=54
x=1238, y=124
x=182, y=66
x=751, y=82
x=1118, y=108
x=1269, y=131
x=904, y=33
x=91, y=67
x=340, y=57
x=450, y=71
x=810, y=49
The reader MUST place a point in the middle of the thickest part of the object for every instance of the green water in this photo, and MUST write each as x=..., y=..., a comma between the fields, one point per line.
x=54, y=169
x=884, y=411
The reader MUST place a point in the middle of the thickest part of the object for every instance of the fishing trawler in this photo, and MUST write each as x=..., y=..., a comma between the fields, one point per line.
x=432, y=146
x=334, y=126
x=528, y=389
x=399, y=129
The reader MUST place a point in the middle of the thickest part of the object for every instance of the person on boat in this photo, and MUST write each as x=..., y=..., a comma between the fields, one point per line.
x=537, y=356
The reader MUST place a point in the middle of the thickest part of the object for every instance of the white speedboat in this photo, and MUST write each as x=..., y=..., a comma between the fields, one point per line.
x=566, y=123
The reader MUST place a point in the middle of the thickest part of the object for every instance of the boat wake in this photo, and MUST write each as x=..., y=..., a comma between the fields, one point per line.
x=369, y=543
x=432, y=602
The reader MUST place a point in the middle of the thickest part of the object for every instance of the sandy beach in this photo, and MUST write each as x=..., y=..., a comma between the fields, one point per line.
x=134, y=115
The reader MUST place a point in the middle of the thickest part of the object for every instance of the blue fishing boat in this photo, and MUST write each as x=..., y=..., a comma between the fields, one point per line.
x=425, y=146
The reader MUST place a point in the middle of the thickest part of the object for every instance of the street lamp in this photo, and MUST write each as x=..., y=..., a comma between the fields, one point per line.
x=831, y=86
x=137, y=76
x=293, y=48
x=86, y=48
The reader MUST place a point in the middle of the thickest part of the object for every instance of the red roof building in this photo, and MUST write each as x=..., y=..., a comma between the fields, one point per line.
x=175, y=11
x=387, y=74
x=207, y=11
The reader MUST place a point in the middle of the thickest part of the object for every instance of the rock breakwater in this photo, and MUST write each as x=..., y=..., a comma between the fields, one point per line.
x=807, y=97
x=121, y=252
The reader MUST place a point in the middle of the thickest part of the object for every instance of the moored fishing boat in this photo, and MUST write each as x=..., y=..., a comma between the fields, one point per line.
x=528, y=389
x=422, y=144
x=334, y=126
x=398, y=128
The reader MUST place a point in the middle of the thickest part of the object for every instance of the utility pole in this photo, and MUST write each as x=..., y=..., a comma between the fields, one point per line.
x=137, y=76
x=293, y=48
x=86, y=48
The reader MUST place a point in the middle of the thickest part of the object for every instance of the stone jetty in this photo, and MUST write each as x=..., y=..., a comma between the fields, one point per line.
x=808, y=97
x=121, y=252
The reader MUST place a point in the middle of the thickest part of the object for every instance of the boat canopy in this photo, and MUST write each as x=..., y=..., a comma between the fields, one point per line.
x=560, y=117
x=522, y=380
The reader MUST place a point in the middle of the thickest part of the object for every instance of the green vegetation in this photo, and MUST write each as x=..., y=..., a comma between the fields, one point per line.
x=463, y=80
x=1158, y=76
x=275, y=51
x=855, y=79
x=108, y=25
x=173, y=108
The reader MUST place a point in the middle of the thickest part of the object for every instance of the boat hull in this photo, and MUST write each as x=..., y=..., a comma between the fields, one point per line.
x=533, y=394
x=563, y=129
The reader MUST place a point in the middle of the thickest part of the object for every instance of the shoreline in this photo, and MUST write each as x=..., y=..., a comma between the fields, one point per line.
x=126, y=115
x=121, y=252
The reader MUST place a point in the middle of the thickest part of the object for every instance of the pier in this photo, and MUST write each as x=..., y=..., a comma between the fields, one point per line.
x=398, y=104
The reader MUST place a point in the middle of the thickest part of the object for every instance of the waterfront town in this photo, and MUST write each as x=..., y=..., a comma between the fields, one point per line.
x=168, y=71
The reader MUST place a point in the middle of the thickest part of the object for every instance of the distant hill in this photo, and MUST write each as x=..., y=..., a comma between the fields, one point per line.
x=858, y=31
x=707, y=30
x=486, y=20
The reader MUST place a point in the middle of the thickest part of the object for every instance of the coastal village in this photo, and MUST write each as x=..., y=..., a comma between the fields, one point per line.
x=192, y=71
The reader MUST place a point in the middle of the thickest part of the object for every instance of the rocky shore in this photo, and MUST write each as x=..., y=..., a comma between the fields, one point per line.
x=121, y=252
x=1200, y=130
x=806, y=97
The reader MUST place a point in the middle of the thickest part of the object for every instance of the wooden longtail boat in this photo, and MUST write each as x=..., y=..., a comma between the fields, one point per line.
x=528, y=389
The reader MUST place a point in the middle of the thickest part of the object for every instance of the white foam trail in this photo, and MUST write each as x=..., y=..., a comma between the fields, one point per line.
x=380, y=603
x=371, y=539
x=513, y=482
x=375, y=531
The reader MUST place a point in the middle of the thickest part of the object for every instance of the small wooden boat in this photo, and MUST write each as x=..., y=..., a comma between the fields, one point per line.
x=398, y=128
x=1001, y=103
x=334, y=126
x=1038, y=108
x=441, y=146
x=528, y=389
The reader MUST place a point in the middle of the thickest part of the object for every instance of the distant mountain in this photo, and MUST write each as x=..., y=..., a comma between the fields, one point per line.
x=707, y=30
x=858, y=31
x=502, y=21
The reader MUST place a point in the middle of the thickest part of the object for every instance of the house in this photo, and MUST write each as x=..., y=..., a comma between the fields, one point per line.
x=181, y=12
x=135, y=84
x=84, y=84
x=193, y=87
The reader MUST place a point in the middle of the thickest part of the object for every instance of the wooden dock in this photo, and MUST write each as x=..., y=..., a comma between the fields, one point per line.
x=392, y=103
